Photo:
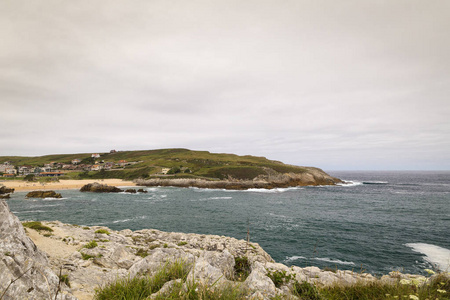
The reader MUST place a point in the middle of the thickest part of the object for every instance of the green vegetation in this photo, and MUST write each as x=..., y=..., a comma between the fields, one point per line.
x=182, y=243
x=241, y=268
x=142, y=287
x=183, y=163
x=104, y=231
x=91, y=244
x=30, y=177
x=86, y=256
x=279, y=278
x=142, y=253
x=64, y=279
x=37, y=226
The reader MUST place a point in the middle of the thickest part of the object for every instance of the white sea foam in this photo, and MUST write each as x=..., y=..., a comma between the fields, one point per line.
x=350, y=183
x=292, y=258
x=29, y=211
x=276, y=190
x=437, y=256
x=53, y=199
x=220, y=198
x=335, y=261
x=122, y=220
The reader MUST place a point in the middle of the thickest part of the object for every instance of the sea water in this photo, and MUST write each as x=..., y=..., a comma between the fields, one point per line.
x=378, y=222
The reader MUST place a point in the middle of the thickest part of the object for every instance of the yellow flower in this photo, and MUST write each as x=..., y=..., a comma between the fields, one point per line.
x=441, y=291
x=431, y=272
x=413, y=297
x=405, y=281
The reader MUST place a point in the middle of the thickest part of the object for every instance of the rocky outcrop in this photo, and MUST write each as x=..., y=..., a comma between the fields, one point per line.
x=43, y=194
x=100, y=188
x=25, y=272
x=210, y=259
x=94, y=256
x=5, y=190
x=310, y=177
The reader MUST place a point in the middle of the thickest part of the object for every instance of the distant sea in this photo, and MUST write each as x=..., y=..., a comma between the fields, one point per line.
x=378, y=222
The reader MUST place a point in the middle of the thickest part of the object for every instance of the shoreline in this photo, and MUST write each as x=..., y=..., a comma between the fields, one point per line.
x=21, y=186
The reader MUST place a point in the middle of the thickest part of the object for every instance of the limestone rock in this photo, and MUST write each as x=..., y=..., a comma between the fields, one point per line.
x=43, y=194
x=23, y=262
x=99, y=188
x=5, y=190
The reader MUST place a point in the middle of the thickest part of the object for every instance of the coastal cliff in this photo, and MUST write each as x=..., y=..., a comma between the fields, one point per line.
x=271, y=179
x=87, y=258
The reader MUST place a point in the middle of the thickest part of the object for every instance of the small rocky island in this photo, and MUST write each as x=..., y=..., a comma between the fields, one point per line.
x=43, y=194
x=48, y=259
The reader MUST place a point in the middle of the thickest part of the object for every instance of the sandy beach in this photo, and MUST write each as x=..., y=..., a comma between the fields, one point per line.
x=19, y=185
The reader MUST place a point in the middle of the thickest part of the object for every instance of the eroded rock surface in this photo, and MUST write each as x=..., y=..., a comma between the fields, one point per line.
x=24, y=264
x=43, y=194
x=100, y=188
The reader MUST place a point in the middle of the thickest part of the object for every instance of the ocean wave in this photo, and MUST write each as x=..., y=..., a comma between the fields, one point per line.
x=435, y=255
x=335, y=261
x=252, y=190
x=375, y=182
x=29, y=211
x=292, y=258
x=275, y=190
x=122, y=220
x=350, y=183
x=53, y=199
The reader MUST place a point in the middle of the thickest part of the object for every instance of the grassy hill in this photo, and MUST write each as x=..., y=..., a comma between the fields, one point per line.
x=183, y=163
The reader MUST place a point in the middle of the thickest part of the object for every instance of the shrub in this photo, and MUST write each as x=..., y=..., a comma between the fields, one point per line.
x=91, y=244
x=86, y=256
x=142, y=287
x=182, y=243
x=279, y=277
x=241, y=268
x=65, y=279
x=104, y=231
x=37, y=226
x=306, y=291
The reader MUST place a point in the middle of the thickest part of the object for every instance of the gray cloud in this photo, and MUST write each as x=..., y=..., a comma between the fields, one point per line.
x=339, y=85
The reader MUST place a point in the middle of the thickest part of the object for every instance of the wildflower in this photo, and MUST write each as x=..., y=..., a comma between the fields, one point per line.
x=405, y=281
x=441, y=291
x=431, y=272
x=413, y=297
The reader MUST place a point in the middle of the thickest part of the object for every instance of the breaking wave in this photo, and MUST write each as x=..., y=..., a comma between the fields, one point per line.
x=435, y=255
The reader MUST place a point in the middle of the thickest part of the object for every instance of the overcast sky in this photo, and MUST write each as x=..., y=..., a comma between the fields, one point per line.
x=333, y=84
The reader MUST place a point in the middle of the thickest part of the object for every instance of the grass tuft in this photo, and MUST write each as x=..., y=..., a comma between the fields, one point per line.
x=37, y=226
x=91, y=244
x=142, y=287
x=104, y=231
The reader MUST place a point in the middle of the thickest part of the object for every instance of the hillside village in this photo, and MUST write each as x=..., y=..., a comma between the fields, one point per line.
x=55, y=169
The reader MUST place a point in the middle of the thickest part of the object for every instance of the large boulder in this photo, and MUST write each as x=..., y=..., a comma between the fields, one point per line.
x=100, y=188
x=24, y=269
x=43, y=194
x=5, y=190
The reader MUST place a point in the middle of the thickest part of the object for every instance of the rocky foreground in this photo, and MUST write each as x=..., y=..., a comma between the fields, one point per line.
x=90, y=257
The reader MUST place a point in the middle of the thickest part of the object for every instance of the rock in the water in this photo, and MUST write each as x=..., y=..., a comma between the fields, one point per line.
x=43, y=194
x=5, y=190
x=23, y=262
x=100, y=188
x=142, y=191
x=133, y=191
x=7, y=196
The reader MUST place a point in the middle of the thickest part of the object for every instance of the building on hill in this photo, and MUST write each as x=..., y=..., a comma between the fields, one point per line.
x=76, y=161
x=95, y=155
x=165, y=170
